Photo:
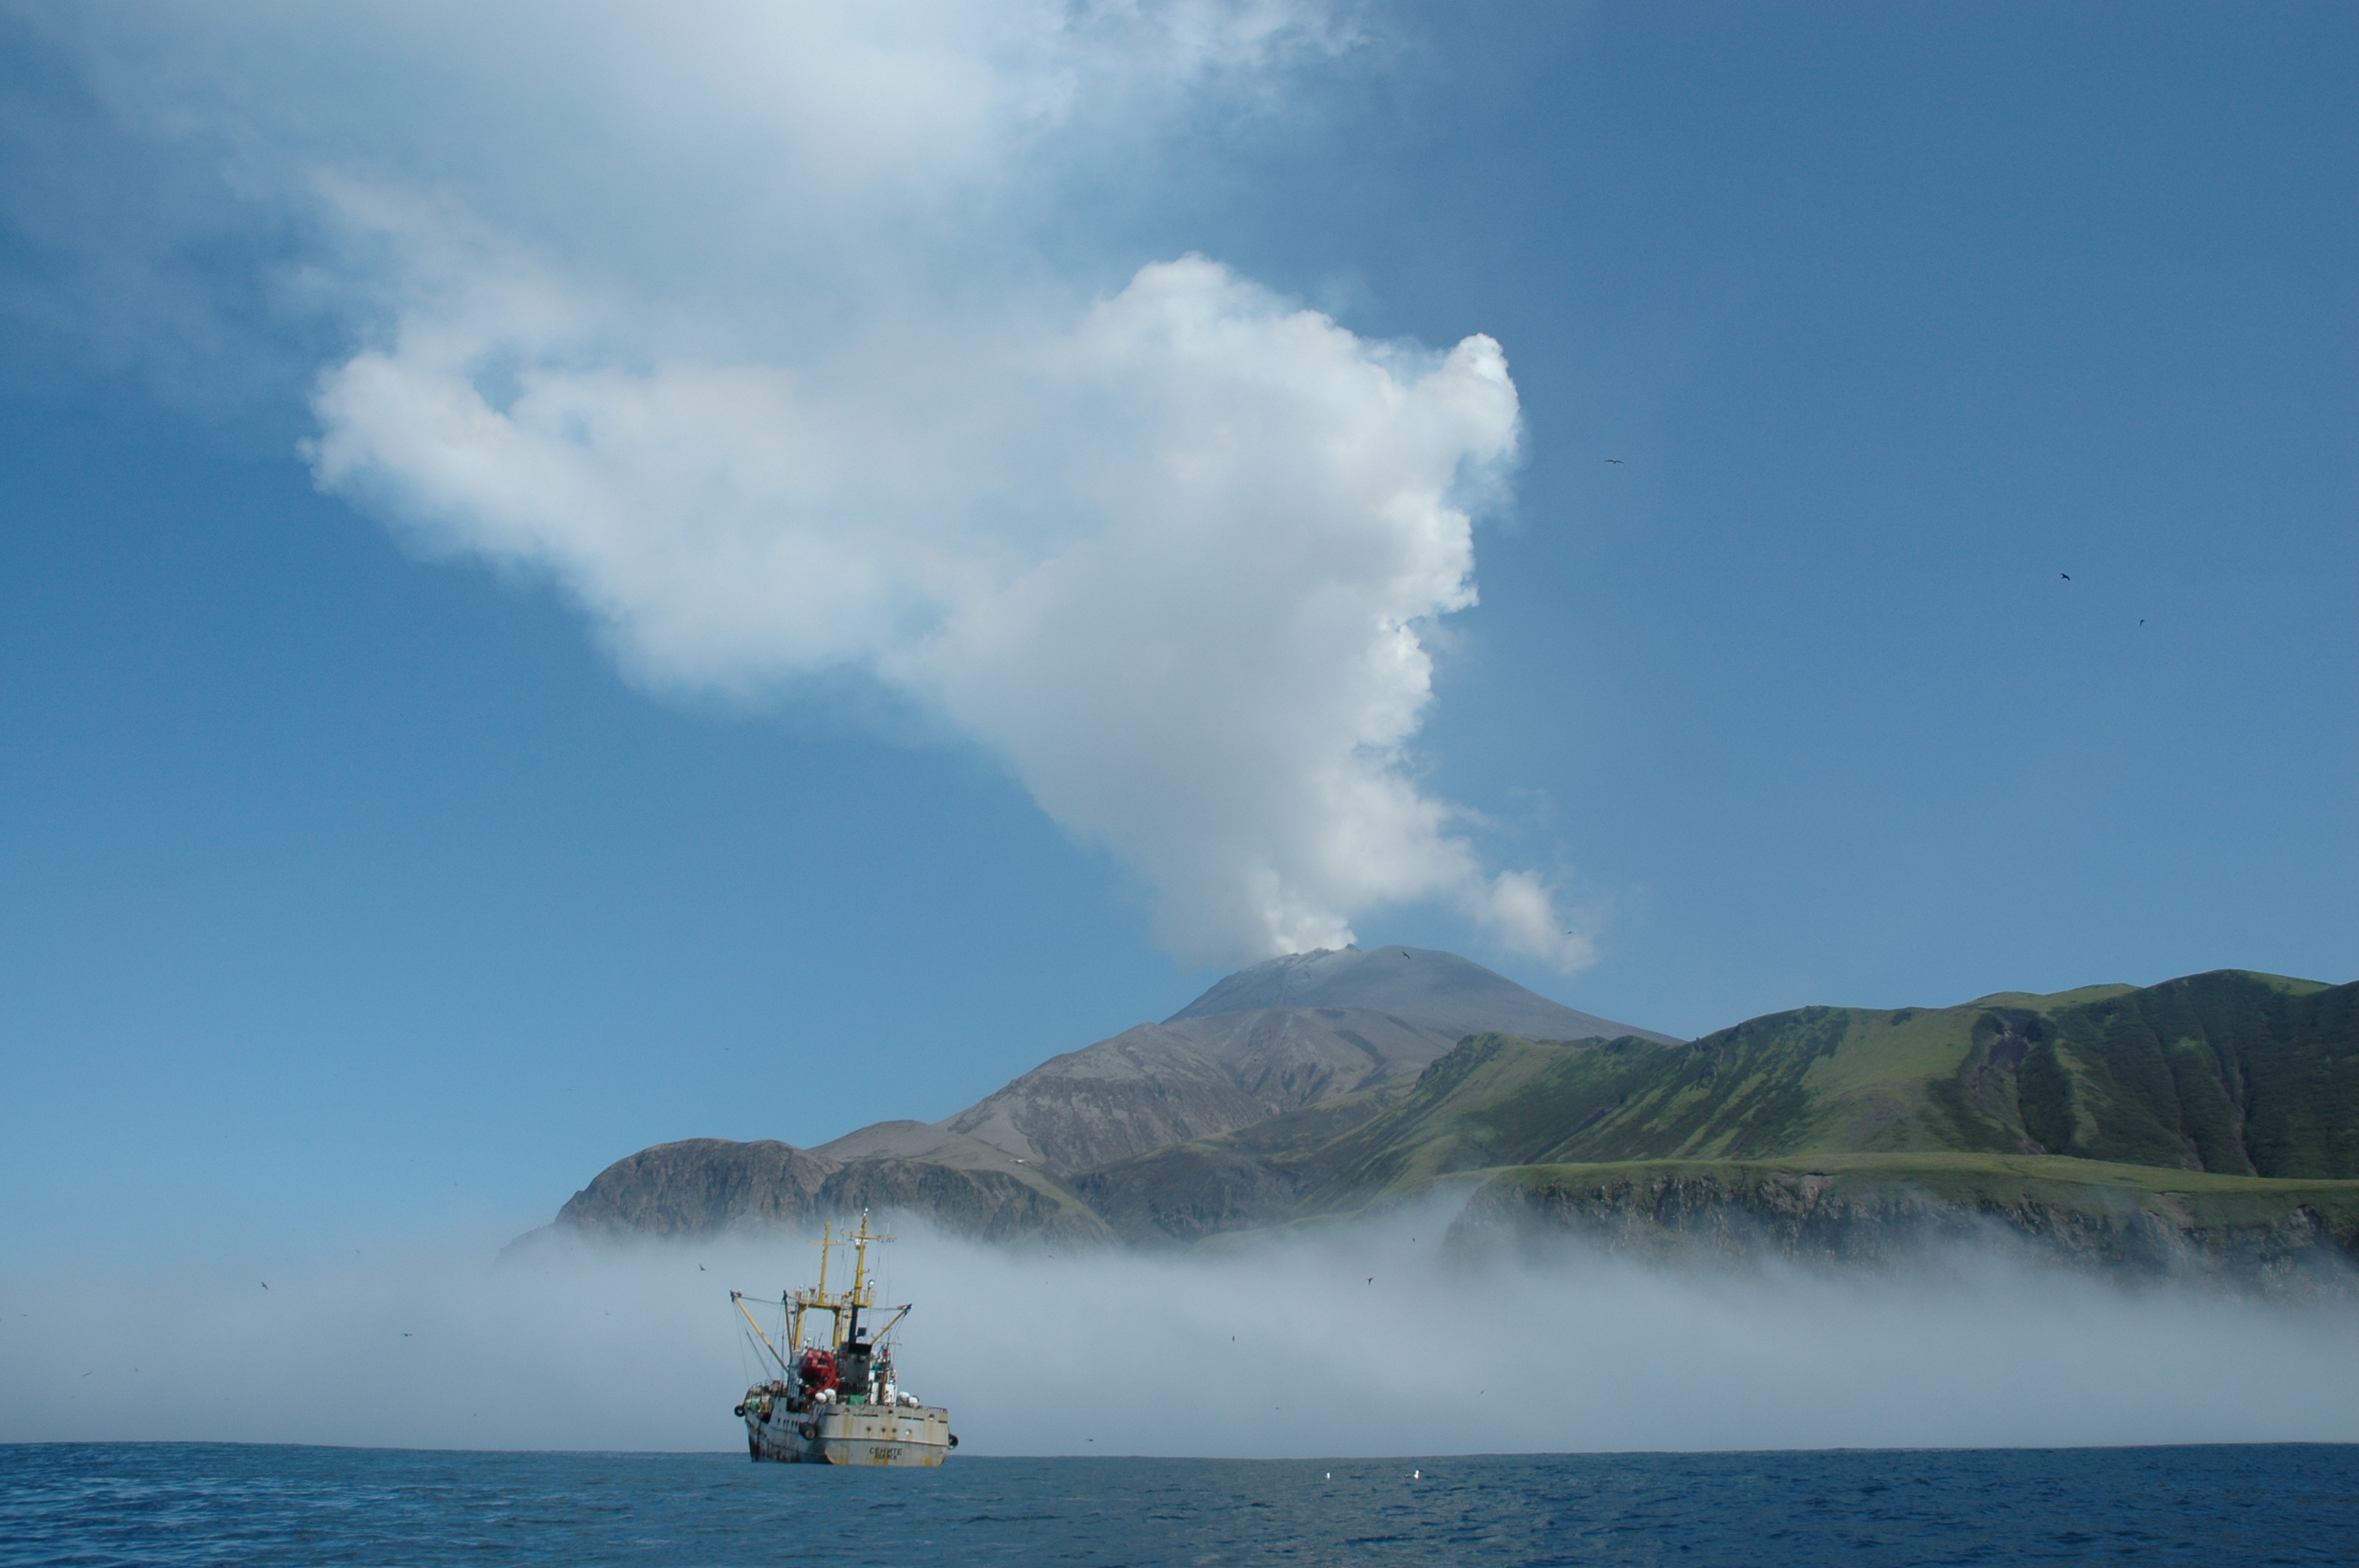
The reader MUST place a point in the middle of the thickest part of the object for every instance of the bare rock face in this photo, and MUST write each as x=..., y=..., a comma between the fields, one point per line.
x=1266, y=1041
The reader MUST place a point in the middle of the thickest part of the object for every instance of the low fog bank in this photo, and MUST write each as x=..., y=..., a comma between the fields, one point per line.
x=1367, y=1341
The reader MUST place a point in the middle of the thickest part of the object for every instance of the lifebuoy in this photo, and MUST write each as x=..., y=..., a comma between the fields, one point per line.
x=809, y=1430
x=954, y=1442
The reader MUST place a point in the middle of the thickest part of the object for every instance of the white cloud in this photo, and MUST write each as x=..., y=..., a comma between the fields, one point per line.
x=743, y=325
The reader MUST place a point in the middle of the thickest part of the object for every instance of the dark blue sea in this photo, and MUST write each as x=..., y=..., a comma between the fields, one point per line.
x=200, y=1503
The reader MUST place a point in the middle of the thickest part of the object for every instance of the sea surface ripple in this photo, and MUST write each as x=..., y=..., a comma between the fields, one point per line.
x=102, y=1504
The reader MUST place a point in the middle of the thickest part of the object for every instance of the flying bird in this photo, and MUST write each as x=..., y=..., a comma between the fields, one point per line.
x=1613, y=460
x=265, y=1284
x=2066, y=576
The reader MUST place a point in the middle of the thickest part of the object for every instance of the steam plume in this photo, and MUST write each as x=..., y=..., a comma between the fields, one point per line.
x=750, y=328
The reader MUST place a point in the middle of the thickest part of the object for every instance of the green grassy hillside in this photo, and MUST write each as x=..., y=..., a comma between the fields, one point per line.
x=2228, y=1072
x=2245, y=1074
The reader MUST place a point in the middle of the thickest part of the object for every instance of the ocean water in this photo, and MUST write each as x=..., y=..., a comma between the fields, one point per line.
x=203, y=1503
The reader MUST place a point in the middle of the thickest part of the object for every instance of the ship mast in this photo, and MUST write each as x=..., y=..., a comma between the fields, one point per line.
x=864, y=1290
x=801, y=1302
x=844, y=1308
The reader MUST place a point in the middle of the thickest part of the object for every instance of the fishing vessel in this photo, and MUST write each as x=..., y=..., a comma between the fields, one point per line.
x=836, y=1399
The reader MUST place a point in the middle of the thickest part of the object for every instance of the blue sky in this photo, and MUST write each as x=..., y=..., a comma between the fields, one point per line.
x=360, y=874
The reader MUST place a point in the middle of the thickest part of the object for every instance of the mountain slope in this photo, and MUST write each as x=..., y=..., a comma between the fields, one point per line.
x=1265, y=1041
x=993, y=1170
x=2236, y=1094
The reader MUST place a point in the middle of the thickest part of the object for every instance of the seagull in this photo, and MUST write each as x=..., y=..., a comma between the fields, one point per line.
x=1372, y=1279
x=1613, y=460
x=702, y=1269
x=2066, y=576
x=2141, y=620
x=265, y=1284
x=404, y=1334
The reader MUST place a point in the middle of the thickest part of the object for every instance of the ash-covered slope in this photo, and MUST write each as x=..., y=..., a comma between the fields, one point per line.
x=1277, y=1038
x=1419, y=985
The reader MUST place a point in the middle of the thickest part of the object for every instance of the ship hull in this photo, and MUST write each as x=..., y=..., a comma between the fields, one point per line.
x=897, y=1436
